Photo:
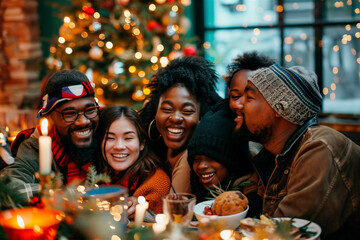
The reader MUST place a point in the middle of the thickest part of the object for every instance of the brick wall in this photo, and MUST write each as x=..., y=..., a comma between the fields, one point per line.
x=21, y=50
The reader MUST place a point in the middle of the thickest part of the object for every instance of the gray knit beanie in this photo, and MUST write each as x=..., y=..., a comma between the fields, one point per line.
x=292, y=92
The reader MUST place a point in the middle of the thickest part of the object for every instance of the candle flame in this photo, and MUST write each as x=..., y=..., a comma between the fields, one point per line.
x=141, y=200
x=7, y=129
x=20, y=222
x=226, y=234
x=161, y=218
x=44, y=127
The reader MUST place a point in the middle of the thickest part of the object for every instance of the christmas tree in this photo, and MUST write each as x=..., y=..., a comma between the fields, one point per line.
x=120, y=44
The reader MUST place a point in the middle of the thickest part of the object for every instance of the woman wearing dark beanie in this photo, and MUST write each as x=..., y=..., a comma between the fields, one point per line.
x=217, y=159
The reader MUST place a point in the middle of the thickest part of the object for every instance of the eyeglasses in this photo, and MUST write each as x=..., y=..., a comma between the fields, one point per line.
x=70, y=116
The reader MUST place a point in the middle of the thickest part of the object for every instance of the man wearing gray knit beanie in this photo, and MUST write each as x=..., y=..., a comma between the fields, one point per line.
x=307, y=171
x=70, y=107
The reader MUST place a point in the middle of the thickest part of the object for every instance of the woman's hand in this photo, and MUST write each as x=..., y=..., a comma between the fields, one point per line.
x=132, y=201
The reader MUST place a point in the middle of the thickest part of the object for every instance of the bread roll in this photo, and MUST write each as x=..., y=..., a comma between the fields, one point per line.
x=230, y=202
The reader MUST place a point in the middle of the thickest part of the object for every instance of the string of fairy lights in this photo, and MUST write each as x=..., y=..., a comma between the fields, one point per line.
x=121, y=43
x=343, y=38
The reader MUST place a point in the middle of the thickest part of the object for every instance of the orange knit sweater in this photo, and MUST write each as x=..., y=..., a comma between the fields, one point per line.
x=154, y=189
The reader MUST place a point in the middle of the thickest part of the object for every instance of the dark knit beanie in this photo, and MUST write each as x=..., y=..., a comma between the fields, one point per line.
x=64, y=86
x=213, y=138
x=64, y=78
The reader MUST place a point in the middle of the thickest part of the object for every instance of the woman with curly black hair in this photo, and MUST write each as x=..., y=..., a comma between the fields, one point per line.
x=181, y=93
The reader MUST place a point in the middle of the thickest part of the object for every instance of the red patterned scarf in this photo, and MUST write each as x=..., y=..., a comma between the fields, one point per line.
x=65, y=159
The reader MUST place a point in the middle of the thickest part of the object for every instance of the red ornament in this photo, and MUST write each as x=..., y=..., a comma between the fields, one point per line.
x=170, y=1
x=153, y=25
x=189, y=51
x=37, y=202
x=88, y=10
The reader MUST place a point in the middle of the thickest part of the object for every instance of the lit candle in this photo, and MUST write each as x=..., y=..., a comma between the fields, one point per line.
x=31, y=223
x=2, y=139
x=45, y=154
x=140, y=211
x=227, y=235
x=7, y=130
x=161, y=221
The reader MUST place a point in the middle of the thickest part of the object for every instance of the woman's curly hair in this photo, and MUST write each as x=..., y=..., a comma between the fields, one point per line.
x=196, y=74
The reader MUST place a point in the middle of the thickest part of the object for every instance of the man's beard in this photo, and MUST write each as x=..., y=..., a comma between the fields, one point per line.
x=82, y=155
x=262, y=135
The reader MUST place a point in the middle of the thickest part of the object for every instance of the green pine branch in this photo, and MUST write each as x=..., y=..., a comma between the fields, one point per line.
x=92, y=177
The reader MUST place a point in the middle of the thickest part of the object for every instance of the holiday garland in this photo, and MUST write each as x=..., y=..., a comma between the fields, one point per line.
x=120, y=43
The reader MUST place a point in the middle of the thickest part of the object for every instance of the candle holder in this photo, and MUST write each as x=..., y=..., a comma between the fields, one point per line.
x=48, y=184
x=31, y=223
x=102, y=212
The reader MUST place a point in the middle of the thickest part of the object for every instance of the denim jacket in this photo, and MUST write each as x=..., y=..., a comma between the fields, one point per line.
x=316, y=177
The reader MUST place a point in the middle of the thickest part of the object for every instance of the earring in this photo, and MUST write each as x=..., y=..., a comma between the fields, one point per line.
x=149, y=132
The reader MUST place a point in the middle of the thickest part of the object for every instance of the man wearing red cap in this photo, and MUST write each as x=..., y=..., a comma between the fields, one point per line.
x=72, y=111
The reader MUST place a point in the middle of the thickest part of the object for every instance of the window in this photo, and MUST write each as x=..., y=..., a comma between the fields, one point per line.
x=323, y=36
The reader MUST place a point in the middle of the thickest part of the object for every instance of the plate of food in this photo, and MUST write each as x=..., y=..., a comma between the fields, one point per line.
x=273, y=228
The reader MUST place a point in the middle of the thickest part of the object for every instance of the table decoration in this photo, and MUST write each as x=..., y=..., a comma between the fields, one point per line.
x=31, y=223
x=2, y=139
x=140, y=209
x=161, y=223
x=101, y=212
x=45, y=153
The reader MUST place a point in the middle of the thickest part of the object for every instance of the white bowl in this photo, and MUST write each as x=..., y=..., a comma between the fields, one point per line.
x=226, y=222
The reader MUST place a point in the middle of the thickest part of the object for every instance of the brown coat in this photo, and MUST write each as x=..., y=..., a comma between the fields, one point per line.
x=317, y=177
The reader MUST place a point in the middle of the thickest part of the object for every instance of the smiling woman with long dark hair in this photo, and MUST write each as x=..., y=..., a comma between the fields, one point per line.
x=126, y=157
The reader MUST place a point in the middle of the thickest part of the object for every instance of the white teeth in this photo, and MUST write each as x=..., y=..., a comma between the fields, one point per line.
x=175, y=130
x=81, y=133
x=120, y=155
x=207, y=175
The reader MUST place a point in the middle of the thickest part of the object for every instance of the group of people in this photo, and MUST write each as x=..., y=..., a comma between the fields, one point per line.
x=264, y=139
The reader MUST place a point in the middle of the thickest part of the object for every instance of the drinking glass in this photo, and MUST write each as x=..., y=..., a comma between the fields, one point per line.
x=179, y=207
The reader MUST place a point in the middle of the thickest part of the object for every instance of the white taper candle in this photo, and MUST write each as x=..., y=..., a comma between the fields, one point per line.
x=45, y=153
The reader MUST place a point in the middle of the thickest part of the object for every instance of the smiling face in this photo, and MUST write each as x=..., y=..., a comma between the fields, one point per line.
x=177, y=115
x=259, y=116
x=80, y=132
x=209, y=171
x=121, y=145
x=237, y=98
